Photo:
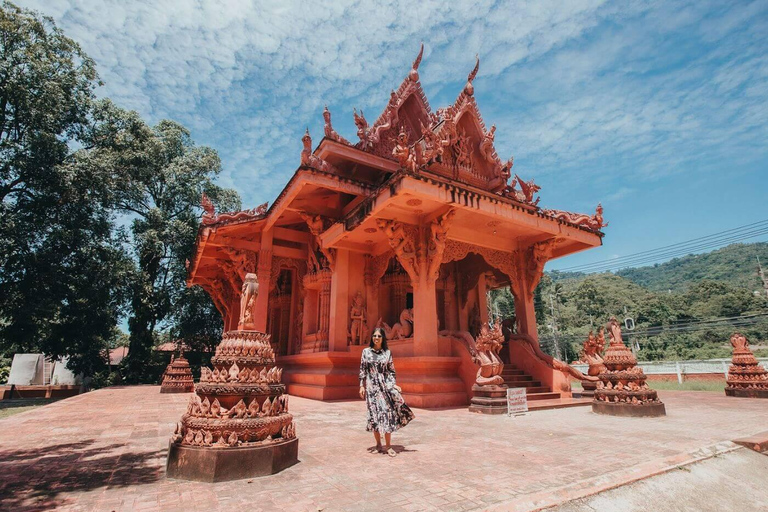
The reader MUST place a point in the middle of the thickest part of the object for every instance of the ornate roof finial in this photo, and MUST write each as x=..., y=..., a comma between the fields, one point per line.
x=414, y=74
x=469, y=88
x=207, y=205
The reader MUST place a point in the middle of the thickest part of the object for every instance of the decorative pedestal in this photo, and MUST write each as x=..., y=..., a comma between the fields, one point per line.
x=211, y=465
x=622, y=390
x=237, y=424
x=489, y=399
x=746, y=378
x=178, y=377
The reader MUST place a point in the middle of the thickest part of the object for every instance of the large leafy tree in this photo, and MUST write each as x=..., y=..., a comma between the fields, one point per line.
x=160, y=175
x=62, y=270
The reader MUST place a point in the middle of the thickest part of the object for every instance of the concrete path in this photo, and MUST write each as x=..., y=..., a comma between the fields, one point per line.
x=736, y=480
x=105, y=450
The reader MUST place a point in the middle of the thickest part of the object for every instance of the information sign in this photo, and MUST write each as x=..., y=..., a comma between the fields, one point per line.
x=517, y=401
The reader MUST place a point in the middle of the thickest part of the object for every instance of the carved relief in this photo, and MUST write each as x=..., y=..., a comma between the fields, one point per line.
x=402, y=239
x=316, y=225
x=248, y=297
x=528, y=189
x=358, y=330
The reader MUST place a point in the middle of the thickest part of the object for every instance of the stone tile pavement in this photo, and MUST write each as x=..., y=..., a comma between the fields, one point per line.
x=105, y=450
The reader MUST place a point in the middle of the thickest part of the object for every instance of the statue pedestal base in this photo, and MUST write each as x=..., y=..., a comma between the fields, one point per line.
x=746, y=393
x=489, y=399
x=204, y=464
x=648, y=410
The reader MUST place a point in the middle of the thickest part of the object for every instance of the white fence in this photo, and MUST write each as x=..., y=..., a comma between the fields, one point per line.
x=682, y=368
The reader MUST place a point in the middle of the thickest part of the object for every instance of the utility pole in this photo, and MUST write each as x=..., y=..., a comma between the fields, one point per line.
x=762, y=275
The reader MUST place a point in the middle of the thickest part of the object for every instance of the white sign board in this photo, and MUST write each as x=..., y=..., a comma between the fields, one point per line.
x=517, y=401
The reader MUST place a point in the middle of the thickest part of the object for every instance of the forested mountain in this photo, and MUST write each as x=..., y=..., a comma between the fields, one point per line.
x=735, y=265
x=686, y=308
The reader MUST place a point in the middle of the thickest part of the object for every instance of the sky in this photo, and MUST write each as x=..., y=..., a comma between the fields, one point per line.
x=658, y=110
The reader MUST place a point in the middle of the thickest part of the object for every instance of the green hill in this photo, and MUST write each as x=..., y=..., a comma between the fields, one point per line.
x=735, y=264
x=686, y=308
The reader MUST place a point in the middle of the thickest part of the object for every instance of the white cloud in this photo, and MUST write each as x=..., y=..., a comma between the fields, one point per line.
x=648, y=88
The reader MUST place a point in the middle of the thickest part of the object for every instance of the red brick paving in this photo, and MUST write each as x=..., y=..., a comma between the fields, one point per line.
x=105, y=450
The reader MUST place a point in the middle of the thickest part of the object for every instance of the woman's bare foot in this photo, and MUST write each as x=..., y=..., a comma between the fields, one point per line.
x=391, y=451
x=376, y=449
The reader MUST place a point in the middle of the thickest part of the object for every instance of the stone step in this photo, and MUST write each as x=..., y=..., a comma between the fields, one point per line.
x=515, y=383
x=557, y=403
x=522, y=380
x=506, y=371
x=542, y=396
x=435, y=400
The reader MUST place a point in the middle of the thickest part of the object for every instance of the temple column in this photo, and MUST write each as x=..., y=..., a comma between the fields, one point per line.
x=449, y=297
x=424, y=317
x=526, y=315
x=264, y=273
x=482, y=300
x=325, y=309
x=339, y=303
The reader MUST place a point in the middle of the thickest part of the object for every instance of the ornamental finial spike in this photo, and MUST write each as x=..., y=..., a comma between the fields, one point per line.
x=414, y=74
x=469, y=88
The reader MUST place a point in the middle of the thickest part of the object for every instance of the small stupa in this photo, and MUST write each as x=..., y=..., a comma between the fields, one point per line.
x=237, y=423
x=178, y=375
x=746, y=378
x=622, y=390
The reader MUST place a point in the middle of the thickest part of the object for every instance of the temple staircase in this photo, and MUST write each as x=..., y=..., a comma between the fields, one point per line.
x=539, y=397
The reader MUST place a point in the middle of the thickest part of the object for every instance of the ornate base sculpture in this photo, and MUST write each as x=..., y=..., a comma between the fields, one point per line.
x=622, y=390
x=178, y=377
x=489, y=393
x=746, y=378
x=237, y=423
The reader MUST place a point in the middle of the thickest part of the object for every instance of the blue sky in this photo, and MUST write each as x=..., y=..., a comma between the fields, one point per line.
x=659, y=110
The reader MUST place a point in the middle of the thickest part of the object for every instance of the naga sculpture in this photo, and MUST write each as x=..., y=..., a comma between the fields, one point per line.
x=528, y=189
x=593, y=348
x=328, y=128
x=402, y=329
x=362, y=129
x=310, y=160
x=488, y=345
x=486, y=145
x=594, y=222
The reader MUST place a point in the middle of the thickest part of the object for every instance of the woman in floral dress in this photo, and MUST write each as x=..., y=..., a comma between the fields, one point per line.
x=387, y=410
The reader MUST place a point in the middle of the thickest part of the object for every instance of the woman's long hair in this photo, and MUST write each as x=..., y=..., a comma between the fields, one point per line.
x=383, y=338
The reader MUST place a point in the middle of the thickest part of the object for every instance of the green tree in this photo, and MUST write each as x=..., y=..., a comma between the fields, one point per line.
x=62, y=270
x=160, y=175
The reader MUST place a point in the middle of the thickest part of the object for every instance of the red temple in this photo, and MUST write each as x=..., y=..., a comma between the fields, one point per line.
x=407, y=228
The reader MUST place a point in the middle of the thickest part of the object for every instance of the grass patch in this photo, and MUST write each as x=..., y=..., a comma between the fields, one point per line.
x=691, y=385
x=11, y=407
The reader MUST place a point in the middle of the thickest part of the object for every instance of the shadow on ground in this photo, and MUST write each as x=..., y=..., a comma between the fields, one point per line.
x=33, y=479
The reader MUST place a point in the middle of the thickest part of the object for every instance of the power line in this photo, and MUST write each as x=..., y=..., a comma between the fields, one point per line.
x=681, y=248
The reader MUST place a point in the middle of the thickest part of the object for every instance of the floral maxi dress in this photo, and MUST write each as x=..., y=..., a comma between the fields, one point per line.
x=387, y=410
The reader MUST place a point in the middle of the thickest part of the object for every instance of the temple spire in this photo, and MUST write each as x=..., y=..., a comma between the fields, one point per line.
x=469, y=88
x=414, y=74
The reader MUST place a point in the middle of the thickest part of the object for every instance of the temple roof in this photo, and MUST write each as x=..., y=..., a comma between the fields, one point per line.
x=409, y=155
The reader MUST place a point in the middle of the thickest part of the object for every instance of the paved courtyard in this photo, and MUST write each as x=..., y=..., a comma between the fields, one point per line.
x=105, y=450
